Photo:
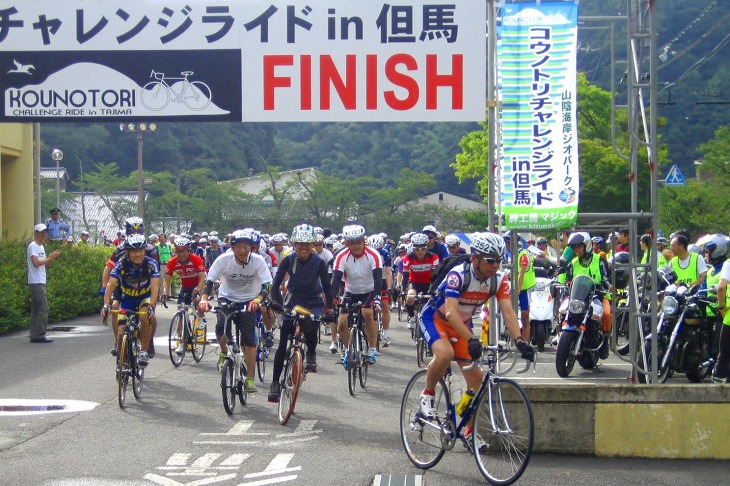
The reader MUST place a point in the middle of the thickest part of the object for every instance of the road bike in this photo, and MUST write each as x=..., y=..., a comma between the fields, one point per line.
x=156, y=95
x=128, y=354
x=233, y=370
x=187, y=332
x=355, y=361
x=294, y=370
x=500, y=413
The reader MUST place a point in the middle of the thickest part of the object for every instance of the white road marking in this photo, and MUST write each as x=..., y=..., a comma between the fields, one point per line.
x=278, y=465
x=240, y=428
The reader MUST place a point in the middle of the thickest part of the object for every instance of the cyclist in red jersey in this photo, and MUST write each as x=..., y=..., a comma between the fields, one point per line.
x=191, y=270
x=417, y=268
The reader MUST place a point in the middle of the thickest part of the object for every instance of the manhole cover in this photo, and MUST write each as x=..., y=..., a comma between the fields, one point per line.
x=62, y=328
x=19, y=406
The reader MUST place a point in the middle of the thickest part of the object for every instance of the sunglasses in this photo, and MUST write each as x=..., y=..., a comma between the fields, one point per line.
x=491, y=261
x=430, y=237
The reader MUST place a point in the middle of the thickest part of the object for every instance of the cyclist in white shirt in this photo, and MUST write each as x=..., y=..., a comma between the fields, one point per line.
x=361, y=268
x=245, y=278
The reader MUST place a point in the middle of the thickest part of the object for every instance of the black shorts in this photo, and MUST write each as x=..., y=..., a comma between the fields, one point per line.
x=245, y=322
x=348, y=299
x=185, y=296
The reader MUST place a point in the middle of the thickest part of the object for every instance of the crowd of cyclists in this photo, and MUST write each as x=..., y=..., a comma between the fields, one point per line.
x=325, y=272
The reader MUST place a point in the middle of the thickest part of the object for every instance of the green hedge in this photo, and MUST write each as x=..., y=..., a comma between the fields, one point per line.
x=73, y=282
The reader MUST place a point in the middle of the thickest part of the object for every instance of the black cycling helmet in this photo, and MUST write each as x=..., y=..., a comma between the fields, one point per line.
x=134, y=225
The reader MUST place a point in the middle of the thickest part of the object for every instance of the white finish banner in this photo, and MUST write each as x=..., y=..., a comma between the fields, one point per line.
x=250, y=60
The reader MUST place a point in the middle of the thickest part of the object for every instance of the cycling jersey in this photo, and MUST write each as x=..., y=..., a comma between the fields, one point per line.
x=358, y=271
x=188, y=272
x=240, y=283
x=135, y=281
x=419, y=271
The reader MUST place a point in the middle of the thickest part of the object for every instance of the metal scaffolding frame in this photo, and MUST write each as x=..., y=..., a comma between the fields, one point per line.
x=640, y=80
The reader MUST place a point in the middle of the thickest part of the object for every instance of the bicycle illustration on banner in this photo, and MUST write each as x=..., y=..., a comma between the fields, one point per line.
x=156, y=95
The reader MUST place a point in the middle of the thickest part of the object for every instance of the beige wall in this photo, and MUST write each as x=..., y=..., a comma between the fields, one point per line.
x=16, y=181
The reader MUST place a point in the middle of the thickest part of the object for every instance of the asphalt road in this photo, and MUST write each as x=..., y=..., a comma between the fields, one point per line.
x=178, y=433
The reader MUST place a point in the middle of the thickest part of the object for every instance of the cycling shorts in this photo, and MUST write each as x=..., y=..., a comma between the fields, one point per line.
x=134, y=304
x=420, y=288
x=366, y=299
x=524, y=300
x=434, y=327
x=245, y=322
x=185, y=296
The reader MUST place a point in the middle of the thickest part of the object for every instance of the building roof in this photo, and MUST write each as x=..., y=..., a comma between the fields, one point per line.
x=452, y=200
x=50, y=173
x=99, y=216
x=260, y=183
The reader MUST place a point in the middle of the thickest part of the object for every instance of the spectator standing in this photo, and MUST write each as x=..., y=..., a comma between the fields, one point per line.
x=58, y=230
x=37, y=261
x=84, y=241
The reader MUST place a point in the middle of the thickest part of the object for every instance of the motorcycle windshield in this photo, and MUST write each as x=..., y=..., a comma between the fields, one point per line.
x=582, y=287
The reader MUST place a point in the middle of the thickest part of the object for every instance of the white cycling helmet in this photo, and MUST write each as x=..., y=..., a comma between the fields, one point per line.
x=303, y=233
x=452, y=240
x=419, y=239
x=278, y=238
x=318, y=230
x=135, y=242
x=430, y=229
x=336, y=245
x=488, y=244
x=241, y=235
x=376, y=242
x=353, y=232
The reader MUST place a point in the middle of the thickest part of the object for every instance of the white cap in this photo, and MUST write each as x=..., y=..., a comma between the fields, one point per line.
x=39, y=228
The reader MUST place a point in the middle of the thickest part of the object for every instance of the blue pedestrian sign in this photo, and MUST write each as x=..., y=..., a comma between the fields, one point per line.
x=675, y=177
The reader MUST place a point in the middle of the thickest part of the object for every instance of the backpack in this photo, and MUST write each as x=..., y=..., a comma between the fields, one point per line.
x=446, y=265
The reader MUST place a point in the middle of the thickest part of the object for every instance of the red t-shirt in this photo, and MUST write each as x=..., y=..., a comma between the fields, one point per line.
x=419, y=271
x=188, y=272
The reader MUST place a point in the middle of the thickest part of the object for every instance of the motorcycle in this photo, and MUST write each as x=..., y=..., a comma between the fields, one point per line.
x=541, y=311
x=683, y=336
x=581, y=338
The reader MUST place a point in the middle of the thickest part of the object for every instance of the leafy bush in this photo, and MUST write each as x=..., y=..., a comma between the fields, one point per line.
x=73, y=282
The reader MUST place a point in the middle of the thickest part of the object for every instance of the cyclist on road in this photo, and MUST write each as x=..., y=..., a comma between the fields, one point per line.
x=245, y=279
x=377, y=243
x=138, y=277
x=362, y=270
x=446, y=321
x=308, y=281
x=191, y=270
x=417, y=269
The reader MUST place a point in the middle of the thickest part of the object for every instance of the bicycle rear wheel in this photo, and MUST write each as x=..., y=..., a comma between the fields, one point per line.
x=504, y=431
x=123, y=371
x=422, y=437
x=362, y=365
x=136, y=370
x=290, y=387
x=175, y=339
x=352, y=362
x=228, y=387
x=199, y=341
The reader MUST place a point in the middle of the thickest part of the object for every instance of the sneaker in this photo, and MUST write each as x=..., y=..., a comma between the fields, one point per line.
x=274, y=392
x=410, y=322
x=428, y=410
x=180, y=347
x=114, y=350
x=151, y=349
x=143, y=359
x=249, y=386
x=345, y=360
x=371, y=356
x=603, y=351
x=311, y=363
x=221, y=360
x=481, y=445
x=334, y=347
x=386, y=341
x=269, y=339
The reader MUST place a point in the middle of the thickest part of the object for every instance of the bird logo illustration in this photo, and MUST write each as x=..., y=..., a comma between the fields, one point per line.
x=21, y=68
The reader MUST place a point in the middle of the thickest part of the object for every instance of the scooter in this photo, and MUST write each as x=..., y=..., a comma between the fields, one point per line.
x=541, y=311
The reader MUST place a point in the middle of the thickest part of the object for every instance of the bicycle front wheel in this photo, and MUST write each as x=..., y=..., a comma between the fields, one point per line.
x=176, y=337
x=155, y=95
x=504, y=431
x=262, y=354
x=136, y=370
x=352, y=362
x=421, y=436
x=362, y=365
x=228, y=387
x=199, y=340
x=290, y=387
x=421, y=348
x=123, y=371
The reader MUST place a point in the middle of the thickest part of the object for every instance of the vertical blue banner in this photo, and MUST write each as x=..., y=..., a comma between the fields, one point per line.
x=536, y=58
